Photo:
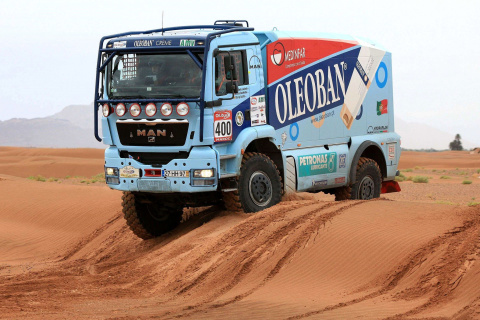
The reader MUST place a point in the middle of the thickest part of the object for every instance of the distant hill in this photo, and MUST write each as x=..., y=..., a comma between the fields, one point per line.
x=422, y=136
x=73, y=128
x=70, y=128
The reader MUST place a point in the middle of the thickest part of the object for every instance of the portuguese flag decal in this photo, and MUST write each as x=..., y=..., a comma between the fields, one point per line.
x=382, y=107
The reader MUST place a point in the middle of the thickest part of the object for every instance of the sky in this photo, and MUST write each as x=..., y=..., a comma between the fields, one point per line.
x=49, y=48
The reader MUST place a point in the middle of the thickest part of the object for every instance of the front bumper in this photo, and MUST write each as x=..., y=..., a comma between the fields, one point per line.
x=199, y=158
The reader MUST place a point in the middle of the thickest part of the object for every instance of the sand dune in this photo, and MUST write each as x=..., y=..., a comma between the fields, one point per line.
x=65, y=252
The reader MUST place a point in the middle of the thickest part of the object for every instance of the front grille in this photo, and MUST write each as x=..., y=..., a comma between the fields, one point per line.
x=152, y=133
x=153, y=158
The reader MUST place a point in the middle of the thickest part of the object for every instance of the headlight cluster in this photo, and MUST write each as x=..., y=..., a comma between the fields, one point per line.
x=203, y=177
x=135, y=109
x=111, y=175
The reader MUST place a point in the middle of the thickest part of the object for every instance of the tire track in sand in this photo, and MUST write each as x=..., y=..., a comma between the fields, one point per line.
x=310, y=222
x=461, y=246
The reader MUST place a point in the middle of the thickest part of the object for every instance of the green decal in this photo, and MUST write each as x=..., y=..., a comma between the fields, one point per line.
x=187, y=43
x=317, y=164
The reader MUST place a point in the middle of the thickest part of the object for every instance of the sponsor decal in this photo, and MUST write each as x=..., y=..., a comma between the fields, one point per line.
x=222, y=124
x=319, y=183
x=129, y=172
x=163, y=43
x=239, y=118
x=377, y=129
x=254, y=63
x=382, y=107
x=314, y=164
x=391, y=151
x=143, y=43
x=278, y=54
x=381, y=67
x=294, y=131
x=318, y=120
x=362, y=73
x=151, y=139
x=311, y=91
x=187, y=43
x=257, y=110
x=339, y=180
x=342, y=159
x=360, y=113
x=120, y=44
x=286, y=55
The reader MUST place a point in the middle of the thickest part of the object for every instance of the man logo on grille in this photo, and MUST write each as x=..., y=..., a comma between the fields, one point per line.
x=151, y=133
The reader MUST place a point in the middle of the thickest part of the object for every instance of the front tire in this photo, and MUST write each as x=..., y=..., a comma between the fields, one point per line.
x=147, y=218
x=259, y=185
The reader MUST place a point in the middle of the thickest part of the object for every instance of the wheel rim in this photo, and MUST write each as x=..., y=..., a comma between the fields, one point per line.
x=260, y=188
x=367, y=188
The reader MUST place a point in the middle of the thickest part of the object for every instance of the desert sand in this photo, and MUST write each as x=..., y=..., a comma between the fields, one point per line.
x=66, y=253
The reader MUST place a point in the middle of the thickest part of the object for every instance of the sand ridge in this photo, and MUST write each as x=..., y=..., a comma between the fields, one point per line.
x=66, y=253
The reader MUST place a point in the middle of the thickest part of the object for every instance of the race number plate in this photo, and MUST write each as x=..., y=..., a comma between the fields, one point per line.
x=129, y=172
x=222, y=126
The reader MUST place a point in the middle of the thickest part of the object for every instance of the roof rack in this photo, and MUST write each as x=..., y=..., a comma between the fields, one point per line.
x=237, y=23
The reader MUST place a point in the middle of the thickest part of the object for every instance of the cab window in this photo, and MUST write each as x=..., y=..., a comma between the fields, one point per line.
x=222, y=76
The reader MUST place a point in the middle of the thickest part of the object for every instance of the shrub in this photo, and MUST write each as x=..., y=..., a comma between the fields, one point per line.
x=472, y=204
x=38, y=178
x=420, y=179
x=466, y=182
x=445, y=177
x=445, y=202
x=408, y=170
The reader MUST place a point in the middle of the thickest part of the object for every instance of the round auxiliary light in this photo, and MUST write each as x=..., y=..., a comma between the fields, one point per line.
x=106, y=110
x=182, y=109
x=151, y=109
x=120, y=110
x=166, y=109
x=135, y=110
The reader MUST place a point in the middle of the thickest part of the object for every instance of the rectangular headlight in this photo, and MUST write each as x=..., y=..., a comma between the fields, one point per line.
x=204, y=173
x=111, y=171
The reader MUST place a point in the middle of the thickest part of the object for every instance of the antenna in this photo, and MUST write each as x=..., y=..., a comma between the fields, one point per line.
x=162, y=23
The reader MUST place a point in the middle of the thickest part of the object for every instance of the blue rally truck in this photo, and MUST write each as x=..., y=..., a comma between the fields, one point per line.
x=208, y=114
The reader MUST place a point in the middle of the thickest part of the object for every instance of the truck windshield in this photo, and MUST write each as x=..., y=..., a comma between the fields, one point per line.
x=154, y=76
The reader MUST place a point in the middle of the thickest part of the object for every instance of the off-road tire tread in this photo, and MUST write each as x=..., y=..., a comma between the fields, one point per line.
x=131, y=216
x=343, y=193
x=232, y=199
x=346, y=193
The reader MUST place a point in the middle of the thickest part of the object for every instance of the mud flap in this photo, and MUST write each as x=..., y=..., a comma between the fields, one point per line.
x=390, y=186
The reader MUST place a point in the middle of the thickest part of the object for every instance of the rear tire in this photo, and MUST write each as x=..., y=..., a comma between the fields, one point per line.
x=147, y=218
x=367, y=185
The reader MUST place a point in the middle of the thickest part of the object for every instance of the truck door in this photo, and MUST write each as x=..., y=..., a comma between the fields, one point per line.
x=236, y=109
